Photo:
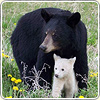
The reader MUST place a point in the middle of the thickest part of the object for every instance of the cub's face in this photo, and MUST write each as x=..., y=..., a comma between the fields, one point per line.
x=63, y=66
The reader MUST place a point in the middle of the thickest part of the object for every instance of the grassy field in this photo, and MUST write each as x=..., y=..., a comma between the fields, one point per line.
x=11, y=12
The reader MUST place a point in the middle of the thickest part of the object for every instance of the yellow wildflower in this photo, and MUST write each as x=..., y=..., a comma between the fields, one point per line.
x=15, y=88
x=7, y=56
x=20, y=90
x=9, y=75
x=16, y=81
x=14, y=23
x=81, y=96
x=91, y=75
x=3, y=55
x=12, y=59
x=19, y=80
x=13, y=79
x=9, y=97
x=95, y=74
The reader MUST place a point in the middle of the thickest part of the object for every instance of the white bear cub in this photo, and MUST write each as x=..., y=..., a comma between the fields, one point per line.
x=64, y=77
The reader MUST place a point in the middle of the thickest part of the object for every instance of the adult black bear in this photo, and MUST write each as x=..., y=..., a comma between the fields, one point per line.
x=53, y=31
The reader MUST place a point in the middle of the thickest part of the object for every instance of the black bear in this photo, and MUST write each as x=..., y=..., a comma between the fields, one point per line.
x=43, y=32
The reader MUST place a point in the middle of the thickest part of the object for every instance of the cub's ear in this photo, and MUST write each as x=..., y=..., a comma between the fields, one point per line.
x=46, y=16
x=74, y=19
x=56, y=57
x=72, y=60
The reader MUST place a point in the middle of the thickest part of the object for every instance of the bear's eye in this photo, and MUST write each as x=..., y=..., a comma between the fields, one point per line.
x=55, y=36
x=46, y=33
x=55, y=68
x=62, y=69
x=53, y=33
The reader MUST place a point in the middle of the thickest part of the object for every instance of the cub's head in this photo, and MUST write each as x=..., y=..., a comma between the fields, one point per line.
x=63, y=66
x=58, y=30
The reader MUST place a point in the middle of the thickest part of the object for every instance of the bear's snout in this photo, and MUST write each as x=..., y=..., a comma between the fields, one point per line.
x=43, y=47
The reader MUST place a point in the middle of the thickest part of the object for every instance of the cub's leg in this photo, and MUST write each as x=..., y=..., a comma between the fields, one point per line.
x=58, y=85
x=69, y=89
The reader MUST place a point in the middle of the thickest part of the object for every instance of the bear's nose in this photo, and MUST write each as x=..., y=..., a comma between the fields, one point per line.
x=42, y=47
x=56, y=75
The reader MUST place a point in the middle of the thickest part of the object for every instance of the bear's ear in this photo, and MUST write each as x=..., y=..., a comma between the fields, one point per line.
x=46, y=16
x=72, y=60
x=56, y=57
x=74, y=19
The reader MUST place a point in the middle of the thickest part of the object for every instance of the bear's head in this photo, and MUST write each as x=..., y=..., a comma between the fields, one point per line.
x=63, y=66
x=59, y=30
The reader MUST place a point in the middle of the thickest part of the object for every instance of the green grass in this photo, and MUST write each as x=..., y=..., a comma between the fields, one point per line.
x=11, y=12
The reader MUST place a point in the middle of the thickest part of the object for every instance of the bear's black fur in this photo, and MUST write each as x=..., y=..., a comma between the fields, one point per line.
x=54, y=31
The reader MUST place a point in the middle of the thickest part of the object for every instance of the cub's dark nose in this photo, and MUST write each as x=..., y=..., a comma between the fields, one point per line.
x=42, y=47
x=56, y=75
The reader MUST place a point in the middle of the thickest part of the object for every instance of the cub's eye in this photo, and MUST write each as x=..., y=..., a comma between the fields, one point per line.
x=62, y=69
x=55, y=68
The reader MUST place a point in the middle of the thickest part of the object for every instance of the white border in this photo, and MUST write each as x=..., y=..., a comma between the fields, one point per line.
x=50, y=1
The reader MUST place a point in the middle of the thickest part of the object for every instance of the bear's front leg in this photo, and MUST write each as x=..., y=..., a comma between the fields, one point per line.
x=58, y=85
x=81, y=69
x=45, y=64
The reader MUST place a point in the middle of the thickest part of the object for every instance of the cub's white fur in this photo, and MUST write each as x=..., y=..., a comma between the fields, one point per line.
x=64, y=77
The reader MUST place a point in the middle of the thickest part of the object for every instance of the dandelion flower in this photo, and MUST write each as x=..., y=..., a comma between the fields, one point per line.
x=13, y=79
x=3, y=55
x=20, y=90
x=14, y=23
x=15, y=88
x=9, y=97
x=12, y=59
x=95, y=74
x=7, y=56
x=19, y=80
x=91, y=75
x=9, y=75
x=81, y=96
x=16, y=81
